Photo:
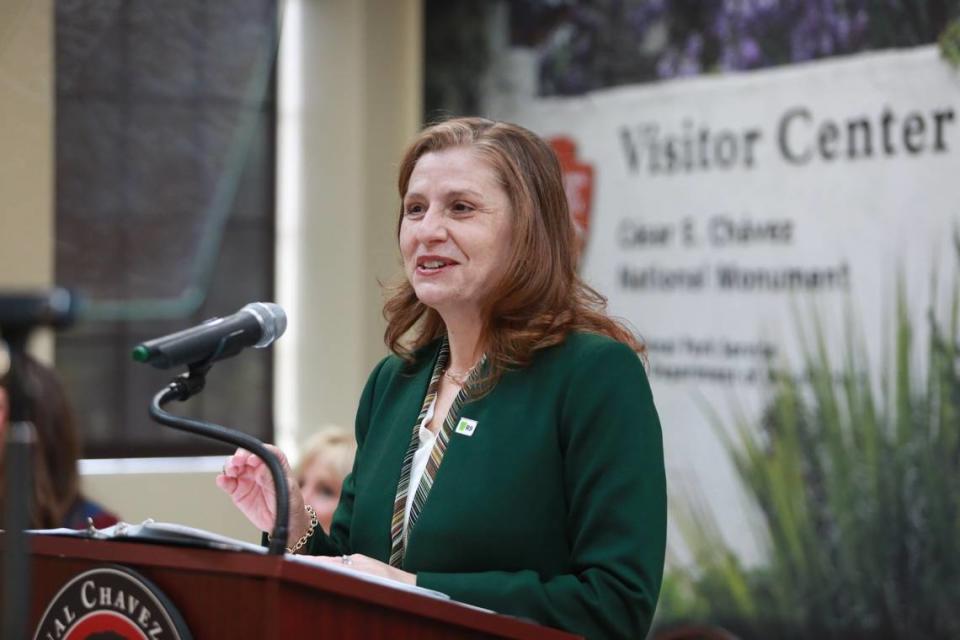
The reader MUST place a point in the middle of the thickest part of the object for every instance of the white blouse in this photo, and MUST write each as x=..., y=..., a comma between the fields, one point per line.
x=419, y=463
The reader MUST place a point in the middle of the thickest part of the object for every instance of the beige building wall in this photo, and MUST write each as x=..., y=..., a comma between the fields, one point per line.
x=349, y=102
x=26, y=148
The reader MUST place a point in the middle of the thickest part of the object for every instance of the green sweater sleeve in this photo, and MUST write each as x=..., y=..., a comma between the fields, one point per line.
x=337, y=541
x=615, y=488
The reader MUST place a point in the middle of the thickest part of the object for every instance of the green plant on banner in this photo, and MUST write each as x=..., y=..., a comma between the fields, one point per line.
x=949, y=42
x=858, y=493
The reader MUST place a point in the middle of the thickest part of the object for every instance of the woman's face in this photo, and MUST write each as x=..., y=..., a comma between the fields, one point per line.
x=455, y=232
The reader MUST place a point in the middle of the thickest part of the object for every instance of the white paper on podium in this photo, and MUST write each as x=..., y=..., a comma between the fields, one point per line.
x=171, y=533
x=159, y=532
x=339, y=567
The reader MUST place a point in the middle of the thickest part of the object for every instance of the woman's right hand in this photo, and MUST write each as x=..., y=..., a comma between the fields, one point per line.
x=247, y=480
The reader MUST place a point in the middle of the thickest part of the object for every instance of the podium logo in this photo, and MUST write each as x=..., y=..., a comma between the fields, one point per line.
x=111, y=603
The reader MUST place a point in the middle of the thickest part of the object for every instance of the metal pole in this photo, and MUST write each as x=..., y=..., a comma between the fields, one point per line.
x=18, y=488
x=16, y=568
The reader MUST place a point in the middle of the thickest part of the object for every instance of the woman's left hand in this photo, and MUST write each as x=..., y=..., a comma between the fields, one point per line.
x=366, y=564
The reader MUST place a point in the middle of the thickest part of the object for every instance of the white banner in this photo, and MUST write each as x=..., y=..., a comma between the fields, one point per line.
x=721, y=211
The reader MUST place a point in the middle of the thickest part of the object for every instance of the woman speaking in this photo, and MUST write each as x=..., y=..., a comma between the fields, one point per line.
x=509, y=452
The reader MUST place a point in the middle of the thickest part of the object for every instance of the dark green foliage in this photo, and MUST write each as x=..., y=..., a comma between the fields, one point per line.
x=457, y=52
x=950, y=43
x=858, y=486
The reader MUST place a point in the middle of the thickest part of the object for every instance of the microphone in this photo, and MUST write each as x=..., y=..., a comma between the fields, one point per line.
x=258, y=325
x=55, y=307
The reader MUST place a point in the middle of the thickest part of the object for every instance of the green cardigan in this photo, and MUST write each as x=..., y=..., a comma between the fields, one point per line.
x=554, y=509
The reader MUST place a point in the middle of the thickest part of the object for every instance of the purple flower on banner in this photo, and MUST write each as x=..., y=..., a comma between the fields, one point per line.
x=611, y=42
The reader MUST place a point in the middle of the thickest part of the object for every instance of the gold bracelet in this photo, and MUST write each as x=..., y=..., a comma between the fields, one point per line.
x=313, y=527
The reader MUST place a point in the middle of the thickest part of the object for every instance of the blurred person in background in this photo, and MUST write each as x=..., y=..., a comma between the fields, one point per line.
x=326, y=461
x=57, y=501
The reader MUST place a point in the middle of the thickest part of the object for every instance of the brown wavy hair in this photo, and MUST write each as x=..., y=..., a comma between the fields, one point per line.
x=540, y=298
x=56, y=482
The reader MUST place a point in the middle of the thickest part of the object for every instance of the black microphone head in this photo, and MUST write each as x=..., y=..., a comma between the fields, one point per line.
x=258, y=325
x=272, y=319
x=55, y=307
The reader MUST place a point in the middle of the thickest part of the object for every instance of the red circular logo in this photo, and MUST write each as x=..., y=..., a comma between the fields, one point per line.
x=111, y=603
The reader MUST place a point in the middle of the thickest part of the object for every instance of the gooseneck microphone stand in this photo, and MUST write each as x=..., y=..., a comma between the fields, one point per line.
x=191, y=383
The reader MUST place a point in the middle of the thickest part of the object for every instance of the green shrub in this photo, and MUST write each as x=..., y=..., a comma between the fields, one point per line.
x=859, y=494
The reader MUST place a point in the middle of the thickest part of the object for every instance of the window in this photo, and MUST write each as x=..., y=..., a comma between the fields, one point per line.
x=153, y=115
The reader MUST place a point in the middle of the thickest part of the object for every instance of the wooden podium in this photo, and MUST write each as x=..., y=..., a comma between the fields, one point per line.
x=227, y=594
